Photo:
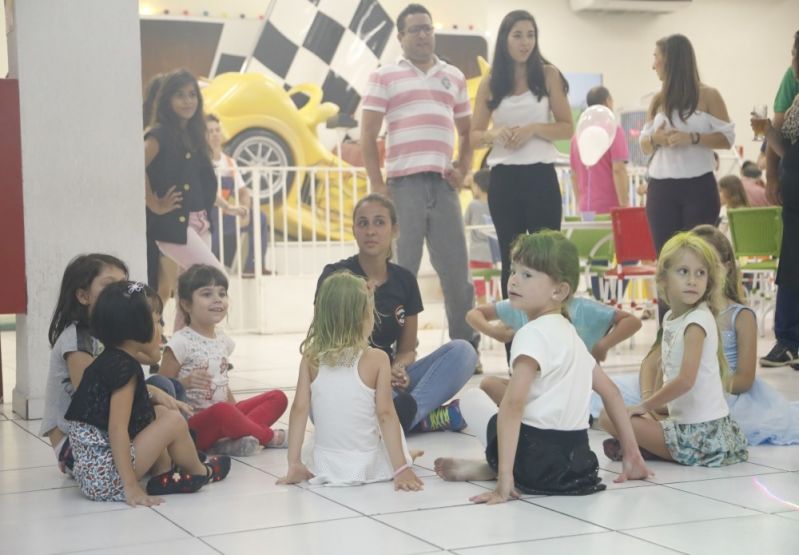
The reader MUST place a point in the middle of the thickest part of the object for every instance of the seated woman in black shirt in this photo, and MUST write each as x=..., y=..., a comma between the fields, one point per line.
x=420, y=386
x=117, y=435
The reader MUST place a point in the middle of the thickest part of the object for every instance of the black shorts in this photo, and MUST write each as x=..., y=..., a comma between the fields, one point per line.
x=549, y=462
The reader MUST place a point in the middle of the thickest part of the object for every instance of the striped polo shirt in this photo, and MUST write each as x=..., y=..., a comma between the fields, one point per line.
x=419, y=109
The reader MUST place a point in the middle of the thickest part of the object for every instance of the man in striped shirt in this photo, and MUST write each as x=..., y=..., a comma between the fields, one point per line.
x=424, y=101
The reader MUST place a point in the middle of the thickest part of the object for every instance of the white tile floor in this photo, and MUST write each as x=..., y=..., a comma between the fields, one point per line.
x=746, y=508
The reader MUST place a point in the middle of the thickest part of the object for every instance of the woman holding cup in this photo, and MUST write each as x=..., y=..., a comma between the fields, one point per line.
x=685, y=122
x=783, y=140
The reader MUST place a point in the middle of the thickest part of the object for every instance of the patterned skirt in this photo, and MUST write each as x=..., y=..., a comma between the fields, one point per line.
x=94, y=470
x=549, y=462
x=714, y=443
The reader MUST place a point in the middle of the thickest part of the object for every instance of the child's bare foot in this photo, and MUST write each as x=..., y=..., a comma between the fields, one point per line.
x=416, y=453
x=460, y=470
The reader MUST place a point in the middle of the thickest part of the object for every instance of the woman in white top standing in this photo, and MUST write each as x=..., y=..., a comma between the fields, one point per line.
x=685, y=122
x=524, y=97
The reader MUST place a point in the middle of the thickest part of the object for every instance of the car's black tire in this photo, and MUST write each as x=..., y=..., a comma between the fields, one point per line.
x=264, y=148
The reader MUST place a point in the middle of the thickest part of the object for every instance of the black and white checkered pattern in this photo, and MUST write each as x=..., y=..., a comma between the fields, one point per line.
x=336, y=44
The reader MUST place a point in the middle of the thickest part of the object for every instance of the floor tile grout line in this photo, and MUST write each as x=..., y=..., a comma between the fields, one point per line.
x=714, y=519
x=292, y=525
x=651, y=542
x=406, y=533
x=536, y=540
x=719, y=500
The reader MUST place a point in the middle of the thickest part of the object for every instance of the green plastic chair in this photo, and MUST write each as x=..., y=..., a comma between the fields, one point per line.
x=757, y=232
x=595, y=249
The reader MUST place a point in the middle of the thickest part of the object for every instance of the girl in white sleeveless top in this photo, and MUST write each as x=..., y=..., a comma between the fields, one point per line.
x=345, y=386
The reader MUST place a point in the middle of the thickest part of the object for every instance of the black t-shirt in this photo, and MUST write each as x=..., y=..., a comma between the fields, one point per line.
x=395, y=300
x=110, y=371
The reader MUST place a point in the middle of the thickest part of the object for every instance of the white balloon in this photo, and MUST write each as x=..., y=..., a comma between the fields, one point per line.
x=592, y=144
x=596, y=129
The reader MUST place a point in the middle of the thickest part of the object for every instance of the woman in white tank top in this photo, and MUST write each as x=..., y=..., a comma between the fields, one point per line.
x=685, y=122
x=525, y=98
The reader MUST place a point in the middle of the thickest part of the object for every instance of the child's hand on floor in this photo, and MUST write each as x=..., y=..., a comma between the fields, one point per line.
x=297, y=473
x=407, y=480
x=135, y=496
x=503, y=492
x=633, y=467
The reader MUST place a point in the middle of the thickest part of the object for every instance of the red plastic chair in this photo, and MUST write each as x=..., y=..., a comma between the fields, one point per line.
x=634, y=244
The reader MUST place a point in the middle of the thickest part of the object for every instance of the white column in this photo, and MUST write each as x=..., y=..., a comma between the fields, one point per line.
x=79, y=70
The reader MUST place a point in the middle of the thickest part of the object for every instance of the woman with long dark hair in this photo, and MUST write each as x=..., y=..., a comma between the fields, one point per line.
x=685, y=122
x=525, y=98
x=181, y=184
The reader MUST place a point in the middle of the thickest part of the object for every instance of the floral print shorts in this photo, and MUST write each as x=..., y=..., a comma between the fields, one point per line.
x=94, y=470
x=714, y=443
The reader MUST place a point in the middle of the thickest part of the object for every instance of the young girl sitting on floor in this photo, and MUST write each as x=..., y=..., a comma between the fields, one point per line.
x=73, y=347
x=538, y=443
x=346, y=386
x=763, y=414
x=197, y=355
x=117, y=435
x=699, y=429
x=601, y=327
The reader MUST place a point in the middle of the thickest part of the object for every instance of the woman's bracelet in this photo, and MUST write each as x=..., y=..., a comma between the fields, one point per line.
x=401, y=469
x=695, y=138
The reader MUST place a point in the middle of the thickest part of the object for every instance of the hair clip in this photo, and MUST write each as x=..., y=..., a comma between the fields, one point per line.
x=135, y=287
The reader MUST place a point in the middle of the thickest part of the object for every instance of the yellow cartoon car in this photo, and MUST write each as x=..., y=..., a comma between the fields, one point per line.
x=266, y=130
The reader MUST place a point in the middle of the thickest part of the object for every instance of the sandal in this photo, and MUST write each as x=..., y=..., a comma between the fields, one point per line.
x=282, y=444
x=218, y=468
x=612, y=449
x=175, y=481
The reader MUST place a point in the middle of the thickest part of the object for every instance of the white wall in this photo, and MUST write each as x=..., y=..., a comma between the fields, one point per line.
x=79, y=70
x=743, y=48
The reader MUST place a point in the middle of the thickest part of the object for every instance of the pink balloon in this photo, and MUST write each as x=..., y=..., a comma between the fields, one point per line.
x=595, y=131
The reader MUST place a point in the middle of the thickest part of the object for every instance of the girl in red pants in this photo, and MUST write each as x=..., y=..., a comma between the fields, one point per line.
x=197, y=356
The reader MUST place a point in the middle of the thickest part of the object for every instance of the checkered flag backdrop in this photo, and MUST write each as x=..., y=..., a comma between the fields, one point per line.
x=336, y=44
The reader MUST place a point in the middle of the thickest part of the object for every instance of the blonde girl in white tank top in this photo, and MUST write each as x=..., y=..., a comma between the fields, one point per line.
x=345, y=386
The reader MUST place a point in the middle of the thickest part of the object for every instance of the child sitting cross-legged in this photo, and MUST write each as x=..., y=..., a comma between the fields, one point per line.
x=117, y=436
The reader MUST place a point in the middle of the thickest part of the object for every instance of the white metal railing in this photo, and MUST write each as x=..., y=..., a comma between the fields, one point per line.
x=309, y=211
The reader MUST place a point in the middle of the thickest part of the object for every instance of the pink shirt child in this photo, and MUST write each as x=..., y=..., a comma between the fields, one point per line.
x=755, y=194
x=597, y=190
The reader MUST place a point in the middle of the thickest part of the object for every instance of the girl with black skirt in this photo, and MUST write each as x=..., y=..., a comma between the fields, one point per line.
x=538, y=442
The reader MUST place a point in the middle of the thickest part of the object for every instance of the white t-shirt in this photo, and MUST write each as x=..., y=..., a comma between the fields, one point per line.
x=193, y=351
x=705, y=401
x=560, y=395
